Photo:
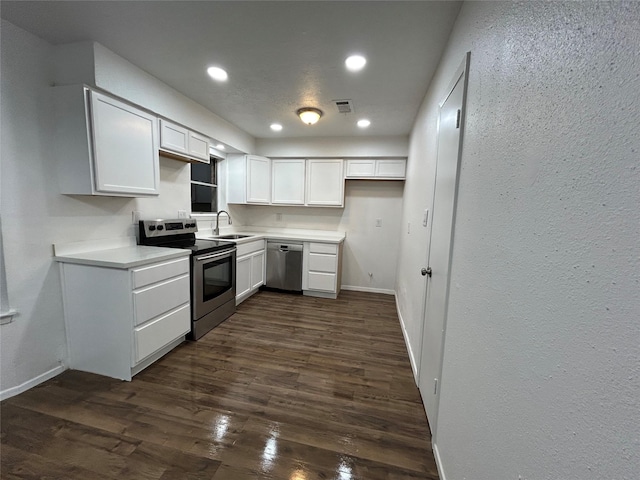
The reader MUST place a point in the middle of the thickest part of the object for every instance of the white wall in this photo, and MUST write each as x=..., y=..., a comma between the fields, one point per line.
x=367, y=248
x=391, y=146
x=91, y=63
x=541, y=374
x=35, y=215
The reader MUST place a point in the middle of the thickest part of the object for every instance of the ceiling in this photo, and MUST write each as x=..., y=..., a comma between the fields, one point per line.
x=280, y=56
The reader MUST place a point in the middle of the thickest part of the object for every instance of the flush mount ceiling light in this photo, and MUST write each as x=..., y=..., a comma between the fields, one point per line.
x=355, y=63
x=276, y=127
x=218, y=74
x=309, y=115
x=219, y=146
x=364, y=123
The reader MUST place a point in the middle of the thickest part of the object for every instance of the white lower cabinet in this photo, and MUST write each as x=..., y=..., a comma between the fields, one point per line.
x=250, y=269
x=321, y=269
x=119, y=321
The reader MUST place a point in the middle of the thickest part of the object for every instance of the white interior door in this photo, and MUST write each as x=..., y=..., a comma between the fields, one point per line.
x=439, y=256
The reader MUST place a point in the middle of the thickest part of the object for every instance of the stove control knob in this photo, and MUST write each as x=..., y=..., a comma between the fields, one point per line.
x=152, y=228
x=160, y=227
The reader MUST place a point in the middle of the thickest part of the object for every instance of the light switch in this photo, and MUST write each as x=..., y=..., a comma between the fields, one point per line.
x=425, y=218
x=378, y=222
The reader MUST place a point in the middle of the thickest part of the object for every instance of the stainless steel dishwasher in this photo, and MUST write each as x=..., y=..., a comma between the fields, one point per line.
x=284, y=265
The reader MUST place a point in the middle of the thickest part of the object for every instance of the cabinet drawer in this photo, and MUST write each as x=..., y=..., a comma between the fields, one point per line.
x=160, y=271
x=322, y=281
x=158, y=299
x=249, y=247
x=321, y=262
x=156, y=334
x=323, y=248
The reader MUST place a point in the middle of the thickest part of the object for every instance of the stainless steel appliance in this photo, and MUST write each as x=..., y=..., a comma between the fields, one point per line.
x=284, y=266
x=213, y=270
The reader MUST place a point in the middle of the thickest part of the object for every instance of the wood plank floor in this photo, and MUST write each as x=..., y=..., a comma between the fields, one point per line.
x=290, y=387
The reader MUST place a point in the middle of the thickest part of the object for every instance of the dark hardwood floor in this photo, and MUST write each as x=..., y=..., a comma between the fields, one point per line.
x=290, y=387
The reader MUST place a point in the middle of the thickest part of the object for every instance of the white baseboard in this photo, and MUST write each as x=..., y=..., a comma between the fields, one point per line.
x=356, y=288
x=13, y=391
x=436, y=454
x=412, y=358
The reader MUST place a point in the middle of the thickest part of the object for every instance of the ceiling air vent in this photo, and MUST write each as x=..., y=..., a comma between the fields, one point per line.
x=344, y=106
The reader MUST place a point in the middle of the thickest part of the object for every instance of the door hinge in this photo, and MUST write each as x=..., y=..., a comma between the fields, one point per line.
x=458, y=119
x=435, y=386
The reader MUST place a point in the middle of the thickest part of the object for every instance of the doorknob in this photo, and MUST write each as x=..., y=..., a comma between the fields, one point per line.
x=426, y=271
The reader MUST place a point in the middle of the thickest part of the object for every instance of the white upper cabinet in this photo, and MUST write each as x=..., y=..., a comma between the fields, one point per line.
x=248, y=179
x=376, y=169
x=199, y=147
x=174, y=137
x=104, y=146
x=182, y=141
x=258, y=176
x=325, y=182
x=288, y=181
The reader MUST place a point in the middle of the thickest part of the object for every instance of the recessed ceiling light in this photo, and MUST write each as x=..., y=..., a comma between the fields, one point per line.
x=355, y=63
x=276, y=127
x=364, y=123
x=217, y=73
x=219, y=146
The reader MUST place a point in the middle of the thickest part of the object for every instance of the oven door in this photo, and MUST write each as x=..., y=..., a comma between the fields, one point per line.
x=214, y=281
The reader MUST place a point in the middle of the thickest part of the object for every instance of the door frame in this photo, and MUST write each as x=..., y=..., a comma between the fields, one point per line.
x=461, y=74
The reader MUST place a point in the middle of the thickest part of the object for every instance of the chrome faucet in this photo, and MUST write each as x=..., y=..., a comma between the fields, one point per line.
x=216, y=231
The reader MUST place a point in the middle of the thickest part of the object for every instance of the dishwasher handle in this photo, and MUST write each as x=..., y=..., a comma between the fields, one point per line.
x=284, y=247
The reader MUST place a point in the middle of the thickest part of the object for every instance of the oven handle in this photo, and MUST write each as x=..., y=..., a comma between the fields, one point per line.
x=214, y=255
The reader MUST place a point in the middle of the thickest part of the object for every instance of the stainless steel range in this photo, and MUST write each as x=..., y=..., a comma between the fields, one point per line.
x=213, y=270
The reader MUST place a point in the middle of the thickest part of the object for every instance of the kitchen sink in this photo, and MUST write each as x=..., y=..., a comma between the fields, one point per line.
x=232, y=237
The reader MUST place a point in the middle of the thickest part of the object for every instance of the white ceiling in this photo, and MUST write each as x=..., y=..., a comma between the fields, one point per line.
x=279, y=55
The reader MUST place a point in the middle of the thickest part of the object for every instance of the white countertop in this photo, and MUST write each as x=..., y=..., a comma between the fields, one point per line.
x=123, y=257
x=323, y=236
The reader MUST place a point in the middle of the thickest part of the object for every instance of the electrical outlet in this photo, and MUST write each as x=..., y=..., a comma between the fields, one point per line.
x=135, y=217
x=425, y=218
x=408, y=227
x=182, y=214
x=378, y=222
x=278, y=217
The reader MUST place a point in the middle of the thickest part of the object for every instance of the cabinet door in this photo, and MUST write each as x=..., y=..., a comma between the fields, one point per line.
x=287, y=181
x=325, y=182
x=174, y=137
x=257, y=269
x=391, y=168
x=125, y=147
x=198, y=147
x=243, y=275
x=360, y=168
x=258, y=179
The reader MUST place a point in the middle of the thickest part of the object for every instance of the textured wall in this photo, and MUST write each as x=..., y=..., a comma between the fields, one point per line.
x=541, y=370
x=35, y=215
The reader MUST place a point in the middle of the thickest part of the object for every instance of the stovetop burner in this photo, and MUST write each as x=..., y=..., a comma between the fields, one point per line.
x=178, y=233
